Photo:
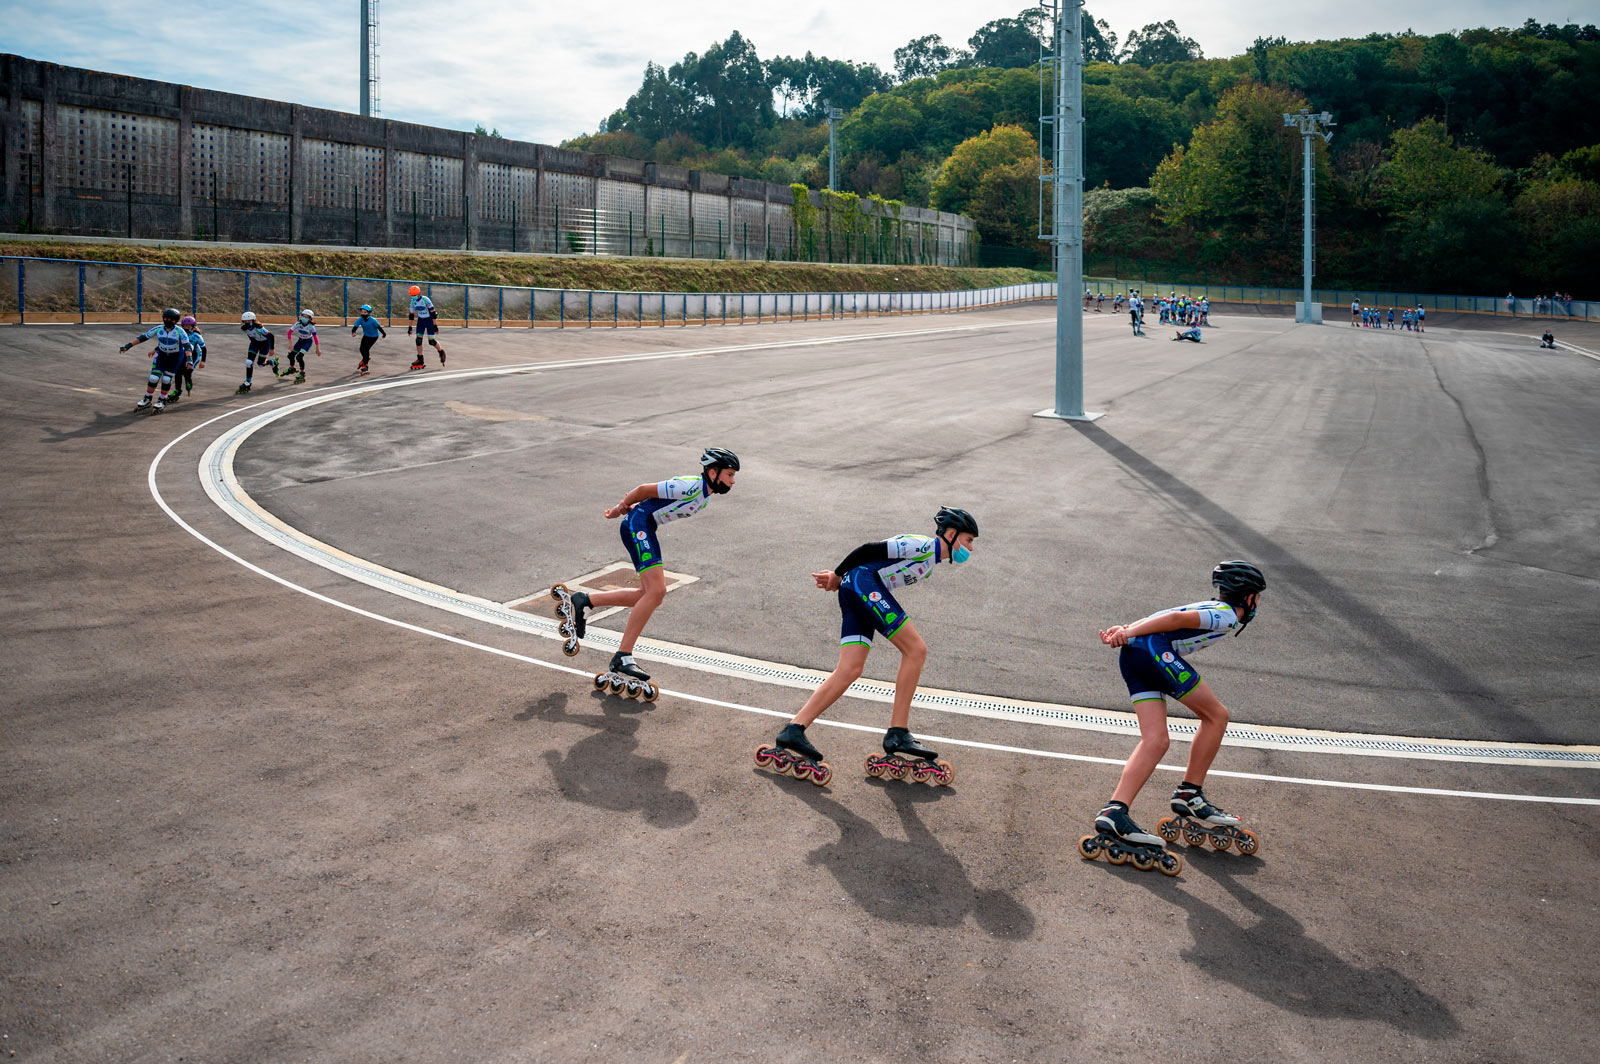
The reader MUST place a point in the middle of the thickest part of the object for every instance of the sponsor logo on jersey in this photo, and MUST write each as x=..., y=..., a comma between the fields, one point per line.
x=874, y=597
x=1167, y=657
x=641, y=535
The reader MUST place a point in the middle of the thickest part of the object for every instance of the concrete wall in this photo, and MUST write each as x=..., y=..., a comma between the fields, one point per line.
x=90, y=153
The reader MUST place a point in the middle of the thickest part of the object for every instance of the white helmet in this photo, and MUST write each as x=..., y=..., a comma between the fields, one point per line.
x=306, y=314
x=247, y=317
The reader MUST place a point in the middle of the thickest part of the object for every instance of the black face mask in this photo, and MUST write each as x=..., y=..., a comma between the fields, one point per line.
x=717, y=487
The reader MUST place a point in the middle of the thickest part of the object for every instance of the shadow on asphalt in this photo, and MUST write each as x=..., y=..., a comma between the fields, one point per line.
x=604, y=770
x=913, y=881
x=1273, y=958
x=1434, y=670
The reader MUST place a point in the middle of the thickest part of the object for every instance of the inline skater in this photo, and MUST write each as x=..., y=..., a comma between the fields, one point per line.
x=370, y=329
x=1153, y=666
x=647, y=507
x=427, y=319
x=304, y=334
x=863, y=580
x=1191, y=333
x=1548, y=340
x=262, y=342
x=172, y=347
x=184, y=380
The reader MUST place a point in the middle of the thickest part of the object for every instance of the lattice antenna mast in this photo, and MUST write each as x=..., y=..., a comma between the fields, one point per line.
x=369, y=57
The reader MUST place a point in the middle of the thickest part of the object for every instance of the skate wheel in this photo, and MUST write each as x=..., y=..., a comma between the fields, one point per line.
x=800, y=770
x=821, y=773
x=1089, y=847
x=1171, y=864
x=632, y=689
x=920, y=775
x=1143, y=860
x=874, y=769
x=600, y=681
x=651, y=692
x=613, y=685
x=1116, y=855
x=1247, y=842
x=1193, y=836
x=1167, y=828
x=946, y=774
x=570, y=647
x=1221, y=842
x=764, y=757
x=899, y=769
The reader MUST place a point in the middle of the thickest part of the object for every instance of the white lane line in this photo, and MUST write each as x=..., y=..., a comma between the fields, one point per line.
x=222, y=485
x=161, y=501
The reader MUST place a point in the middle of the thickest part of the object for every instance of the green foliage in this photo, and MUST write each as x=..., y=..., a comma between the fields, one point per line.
x=1427, y=170
x=1159, y=42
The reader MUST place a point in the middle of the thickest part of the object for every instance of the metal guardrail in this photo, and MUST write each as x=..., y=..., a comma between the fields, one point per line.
x=74, y=291
x=1332, y=299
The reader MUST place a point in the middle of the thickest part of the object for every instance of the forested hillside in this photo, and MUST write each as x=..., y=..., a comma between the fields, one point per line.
x=1460, y=162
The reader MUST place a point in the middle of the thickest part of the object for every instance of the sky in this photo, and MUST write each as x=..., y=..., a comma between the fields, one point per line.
x=542, y=72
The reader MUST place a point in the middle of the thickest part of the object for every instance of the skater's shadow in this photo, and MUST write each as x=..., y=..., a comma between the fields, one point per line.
x=1273, y=958
x=604, y=770
x=914, y=880
x=100, y=426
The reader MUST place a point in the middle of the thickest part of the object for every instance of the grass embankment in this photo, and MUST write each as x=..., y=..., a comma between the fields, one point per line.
x=546, y=271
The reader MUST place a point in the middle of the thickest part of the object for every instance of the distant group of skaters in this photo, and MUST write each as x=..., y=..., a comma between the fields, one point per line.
x=1185, y=312
x=180, y=348
x=1374, y=318
x=1152, y=660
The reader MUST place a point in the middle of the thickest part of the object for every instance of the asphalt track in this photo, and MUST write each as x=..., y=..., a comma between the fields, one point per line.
x=244, y=821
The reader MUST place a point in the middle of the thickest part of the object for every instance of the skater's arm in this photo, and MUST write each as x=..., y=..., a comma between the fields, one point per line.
x=632, y=499
x=141, y=338
x=1118, y=634
x=866, y=554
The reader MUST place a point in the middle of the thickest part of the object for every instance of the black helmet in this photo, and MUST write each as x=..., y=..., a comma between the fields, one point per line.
x=960, y=520
x=719, y=458
x=171, y=315
x=1238, y=578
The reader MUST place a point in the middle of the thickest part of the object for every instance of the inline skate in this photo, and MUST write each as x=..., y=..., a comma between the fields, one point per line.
x=143, y=404
x=570, y=606
x=903, y=755
x=1199, y=822
x=1124, y=842
x=623, y=677
x=793, y=755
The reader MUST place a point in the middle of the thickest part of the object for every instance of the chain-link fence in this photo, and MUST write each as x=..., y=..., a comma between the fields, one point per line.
x=35, y=291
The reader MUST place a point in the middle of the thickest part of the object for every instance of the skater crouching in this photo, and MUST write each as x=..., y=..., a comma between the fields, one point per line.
x=646, y=507
x=1153, y=666
x=863, y=580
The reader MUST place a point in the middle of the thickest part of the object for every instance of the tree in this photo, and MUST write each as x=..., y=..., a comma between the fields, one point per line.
x=1460, y=245
x=660, y=108
x=1426, y=170
x=1160, y=42
x=959, y=178
x=730, y=97
x=922, y=57
x=1009, y=42
x=1099, y=43
x=814, y=78
x=495, y=133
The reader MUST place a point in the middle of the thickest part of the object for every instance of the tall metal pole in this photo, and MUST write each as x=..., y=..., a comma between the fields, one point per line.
x=366, y=58
x=834, y=114
x=1310, y=125
x=1067, y=232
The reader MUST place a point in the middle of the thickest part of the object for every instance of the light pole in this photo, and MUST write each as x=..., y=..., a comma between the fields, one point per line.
x=834, y=114
x=1066, y=182
x=1310, y=126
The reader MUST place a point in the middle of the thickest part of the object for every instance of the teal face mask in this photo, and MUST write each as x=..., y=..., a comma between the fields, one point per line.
x=960, y=555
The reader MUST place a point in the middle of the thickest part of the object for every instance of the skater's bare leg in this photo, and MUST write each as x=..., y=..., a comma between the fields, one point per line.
x=1203, y=703
x=1153, y=743
x=852, y=659
x=652, y=589
x=913, y=655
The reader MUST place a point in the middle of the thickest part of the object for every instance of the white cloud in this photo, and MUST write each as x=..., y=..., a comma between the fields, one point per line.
x=545, y=71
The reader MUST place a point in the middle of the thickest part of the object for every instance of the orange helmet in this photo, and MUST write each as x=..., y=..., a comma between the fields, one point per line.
x=416, y=291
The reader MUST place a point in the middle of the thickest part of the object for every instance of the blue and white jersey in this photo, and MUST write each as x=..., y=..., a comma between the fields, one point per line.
x=422, y=307
x=303, y=330
x=912, y=558
x=168, y=341
x=197, y=344
x=1217, y=619
x=679, y=497
x=261, y=339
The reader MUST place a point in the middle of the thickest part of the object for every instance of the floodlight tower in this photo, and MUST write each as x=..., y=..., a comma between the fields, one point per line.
x=369, y=57
x=834, y=115
x=1310, y=126
x=1065, y=122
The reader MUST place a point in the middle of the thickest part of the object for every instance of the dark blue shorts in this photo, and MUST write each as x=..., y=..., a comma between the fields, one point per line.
x=639, y=536
x=301, y=345
x=866, y=607
x=427, y=326
x=1152, y=669
x=167, y=362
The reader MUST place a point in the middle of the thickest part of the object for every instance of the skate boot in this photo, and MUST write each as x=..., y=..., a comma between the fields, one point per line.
x=441, y=355
x=418, y=364
x=143, y=404
x=243, y=389
x=903, y=755
x=159, y=405
x=362, y=370
x=274, y=364
x=174, y=395
x=623, y=677
x=1198, y=821
x=1123, y=841
x=299, y=378
x=793, y=755
x=570, y=606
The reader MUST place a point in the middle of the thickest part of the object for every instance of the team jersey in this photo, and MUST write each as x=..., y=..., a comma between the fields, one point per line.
x=422, y=307
x=197, y=344
x=900, y=561
x=168, y=341
x=303, y=330
x=261, y=339
x=678, y=497
x=369, y=326
x=1217, y=619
